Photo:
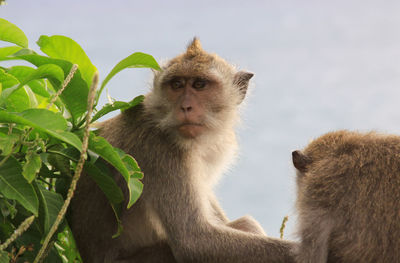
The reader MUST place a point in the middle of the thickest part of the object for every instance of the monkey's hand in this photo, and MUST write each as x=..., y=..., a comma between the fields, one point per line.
x=247, y=224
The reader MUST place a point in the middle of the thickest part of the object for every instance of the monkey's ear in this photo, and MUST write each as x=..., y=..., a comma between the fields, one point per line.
x=300, y=161
x=241, y=81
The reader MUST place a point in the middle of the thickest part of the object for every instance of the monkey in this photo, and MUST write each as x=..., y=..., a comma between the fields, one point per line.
x=348, y=198
x=182, y=136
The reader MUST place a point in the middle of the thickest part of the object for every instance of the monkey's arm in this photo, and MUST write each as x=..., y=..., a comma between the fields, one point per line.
x=245, y=223
x=194, y=239
x=217, y=209
x=157, y=253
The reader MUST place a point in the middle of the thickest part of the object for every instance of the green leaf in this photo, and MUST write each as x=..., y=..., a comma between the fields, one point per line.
x=43, y=120
x=130, y=163
x=49, y=71
x=7, y=80
x=32, y=166
x=75, y=94
x=66, y=246
x=46, y=173
x=7, y=51
x=11, y=33
x=135, y=186
x=103, y=177
x=117, y=105
x=46, y=119
x=14, y=186
x=38, y=86
x=117, y=212
x=33, y=103
x=132, y=166
x=136, y=60
x=7, y=142
x=62, y=47
x=135, y=190
x=7, y=209
x=20, y=72
x=25, y=74
x=4, y=257
x=100, y=146
x=59, y=160
x=50, y=205
x=19, y=100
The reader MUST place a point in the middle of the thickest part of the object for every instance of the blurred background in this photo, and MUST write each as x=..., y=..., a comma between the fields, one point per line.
x=319, y=66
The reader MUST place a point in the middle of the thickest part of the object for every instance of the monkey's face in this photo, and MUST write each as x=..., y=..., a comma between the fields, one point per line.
x=191, y=99
x=196, y=93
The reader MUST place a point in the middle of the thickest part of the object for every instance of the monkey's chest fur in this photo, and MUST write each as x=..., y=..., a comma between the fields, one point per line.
x=161, y=159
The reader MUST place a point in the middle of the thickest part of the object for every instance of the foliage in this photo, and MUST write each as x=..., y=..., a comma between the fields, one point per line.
x=43, y=116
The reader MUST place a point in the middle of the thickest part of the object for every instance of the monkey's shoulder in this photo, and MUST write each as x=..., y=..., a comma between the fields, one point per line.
x=124, y=125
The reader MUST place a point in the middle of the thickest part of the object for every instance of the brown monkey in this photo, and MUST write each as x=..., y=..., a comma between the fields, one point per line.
x=183, y=137
x=349, y=198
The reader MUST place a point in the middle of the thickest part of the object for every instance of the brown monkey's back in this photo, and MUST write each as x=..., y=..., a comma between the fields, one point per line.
x=355, y=177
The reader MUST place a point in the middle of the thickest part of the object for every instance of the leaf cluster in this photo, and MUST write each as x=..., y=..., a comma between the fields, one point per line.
x=42, y=118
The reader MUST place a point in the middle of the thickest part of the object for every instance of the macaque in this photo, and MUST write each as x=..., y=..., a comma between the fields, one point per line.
x=349, y=198
x=183, y=138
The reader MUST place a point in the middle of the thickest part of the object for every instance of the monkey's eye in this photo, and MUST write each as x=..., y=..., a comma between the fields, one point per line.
x=199, y=84
x=177, y=83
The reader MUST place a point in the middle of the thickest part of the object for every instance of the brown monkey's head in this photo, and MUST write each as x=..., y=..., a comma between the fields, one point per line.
x=196, y=93
x=329, y=155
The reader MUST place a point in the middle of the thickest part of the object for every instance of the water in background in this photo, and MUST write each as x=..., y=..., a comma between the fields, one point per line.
x=319, y=66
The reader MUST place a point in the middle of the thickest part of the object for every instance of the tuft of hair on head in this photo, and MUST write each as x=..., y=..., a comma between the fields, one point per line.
x=194, y=48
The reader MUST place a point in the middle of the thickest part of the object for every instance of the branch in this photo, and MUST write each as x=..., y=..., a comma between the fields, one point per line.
x=21, y=229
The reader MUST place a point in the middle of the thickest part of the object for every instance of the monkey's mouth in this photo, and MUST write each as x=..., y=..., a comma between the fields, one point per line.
x=190, y=129
x=190, y=124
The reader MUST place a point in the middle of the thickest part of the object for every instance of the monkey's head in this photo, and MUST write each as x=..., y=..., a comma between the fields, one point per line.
x=327, y=159
x=330, y=146
x=326, y=147
x=196, y=93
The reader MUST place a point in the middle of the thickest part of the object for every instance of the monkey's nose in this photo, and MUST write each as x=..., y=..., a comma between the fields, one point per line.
x=186, y=108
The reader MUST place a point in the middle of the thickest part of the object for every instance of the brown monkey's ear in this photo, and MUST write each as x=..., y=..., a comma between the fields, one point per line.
x=241, y=81
x=300, y=161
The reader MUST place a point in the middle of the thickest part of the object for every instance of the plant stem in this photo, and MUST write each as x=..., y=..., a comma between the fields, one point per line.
x=285, y=219
x=21, y=229
x=65, y=83
x=78, y=170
